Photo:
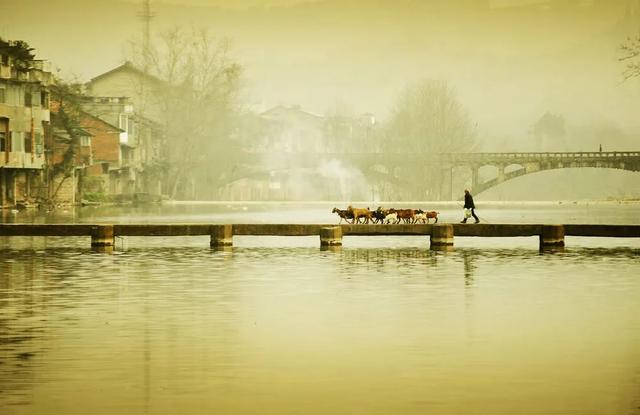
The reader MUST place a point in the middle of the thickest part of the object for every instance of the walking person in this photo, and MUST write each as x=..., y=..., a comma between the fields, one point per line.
x=468, y=204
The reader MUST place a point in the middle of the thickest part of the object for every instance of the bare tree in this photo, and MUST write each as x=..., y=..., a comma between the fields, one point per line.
x=65, y=135
x=631, y=57
x=429, y=118
x=194, y=92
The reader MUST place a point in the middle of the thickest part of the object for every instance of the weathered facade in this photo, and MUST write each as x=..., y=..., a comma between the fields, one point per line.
x=24, y=114
x=143, y=90
x=61, y=188
x=127, y=98
x=103, y=173
x=122, y=170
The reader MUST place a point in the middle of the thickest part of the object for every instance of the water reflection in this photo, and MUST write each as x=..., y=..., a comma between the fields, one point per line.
x=65, y=311
x=331, y=248
x=468, y=258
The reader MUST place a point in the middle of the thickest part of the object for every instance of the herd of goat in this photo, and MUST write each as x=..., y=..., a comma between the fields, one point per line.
x=385, y=216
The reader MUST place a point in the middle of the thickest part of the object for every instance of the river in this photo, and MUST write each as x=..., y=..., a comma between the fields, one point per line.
x=278, y=326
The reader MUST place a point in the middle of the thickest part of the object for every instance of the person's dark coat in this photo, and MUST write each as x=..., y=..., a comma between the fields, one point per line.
x=468, y=201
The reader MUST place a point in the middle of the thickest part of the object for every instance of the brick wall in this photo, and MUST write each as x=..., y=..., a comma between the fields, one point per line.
x=66, y=194
x=105, y=142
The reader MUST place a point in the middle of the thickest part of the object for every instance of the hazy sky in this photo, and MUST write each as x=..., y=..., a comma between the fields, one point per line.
x=232, y=4
x=236, y=4
x=509, y=65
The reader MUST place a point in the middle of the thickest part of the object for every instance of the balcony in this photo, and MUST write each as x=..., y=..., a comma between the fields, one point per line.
x=21, y=160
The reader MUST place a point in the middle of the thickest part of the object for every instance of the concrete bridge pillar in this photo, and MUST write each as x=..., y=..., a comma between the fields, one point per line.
x=102, y=236
x=221, y=236
x=441, y=236
x=552, y=236
x=448, y=183
x=474, y=177
x=501, y=175
x=331, y=236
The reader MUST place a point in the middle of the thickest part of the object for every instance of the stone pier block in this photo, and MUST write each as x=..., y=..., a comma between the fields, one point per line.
x=552, y=236
x=221, y=235
x=102, y=235
x=331, y=236
x=441, y=235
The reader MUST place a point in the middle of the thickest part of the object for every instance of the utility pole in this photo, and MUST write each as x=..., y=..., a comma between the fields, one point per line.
x=146, y=15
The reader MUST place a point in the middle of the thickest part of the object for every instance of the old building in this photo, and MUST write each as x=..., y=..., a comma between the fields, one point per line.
x=24, y=113
x=118, y=112
x=143, y=90
x=64, y=186
x=128, y=98
x=102, y=175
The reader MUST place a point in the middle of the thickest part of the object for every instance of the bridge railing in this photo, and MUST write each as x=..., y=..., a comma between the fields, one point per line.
x=579, y=154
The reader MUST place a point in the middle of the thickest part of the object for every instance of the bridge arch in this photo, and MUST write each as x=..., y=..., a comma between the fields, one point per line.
x=515, y=174
x=535, y=162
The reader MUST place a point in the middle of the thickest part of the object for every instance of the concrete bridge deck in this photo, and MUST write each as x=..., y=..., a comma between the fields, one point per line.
x=103, y=235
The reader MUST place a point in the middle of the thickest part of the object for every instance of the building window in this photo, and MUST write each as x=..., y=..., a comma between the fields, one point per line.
x=27, y=99
x=5, y=59
x=3, y=141
x=85, y=141
x=36, y=99
x=39, y=147
x=27, y=142
x=44, y=99
x=9, y=93
x=2, y=96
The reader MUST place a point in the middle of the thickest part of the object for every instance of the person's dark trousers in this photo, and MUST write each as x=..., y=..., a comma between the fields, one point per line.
x=473, y=213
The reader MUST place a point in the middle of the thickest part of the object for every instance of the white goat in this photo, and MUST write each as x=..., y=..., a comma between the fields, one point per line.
x=420, y=217
x=391, y=217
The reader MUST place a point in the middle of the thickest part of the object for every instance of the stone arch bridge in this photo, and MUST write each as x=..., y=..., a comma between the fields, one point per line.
x=393, y=167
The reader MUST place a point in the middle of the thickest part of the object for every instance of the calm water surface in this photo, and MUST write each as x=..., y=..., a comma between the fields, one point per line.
x=275, y=325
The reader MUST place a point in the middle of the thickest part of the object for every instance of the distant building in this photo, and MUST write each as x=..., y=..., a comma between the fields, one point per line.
x=289, y=131
x=142, y=89
x=24, y=113
x=293, y=130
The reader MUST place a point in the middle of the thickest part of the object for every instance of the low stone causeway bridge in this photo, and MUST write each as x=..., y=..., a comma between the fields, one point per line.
x=389, y=166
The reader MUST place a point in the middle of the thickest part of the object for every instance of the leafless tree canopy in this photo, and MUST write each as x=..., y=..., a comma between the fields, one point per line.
x=631, y=57
x=196, y=94
x=429, y=118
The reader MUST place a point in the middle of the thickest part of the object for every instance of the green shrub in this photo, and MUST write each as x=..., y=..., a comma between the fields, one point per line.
x=95, y=197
